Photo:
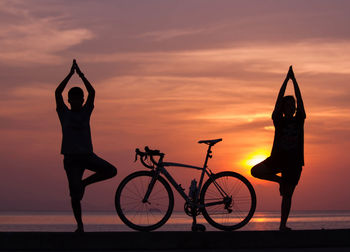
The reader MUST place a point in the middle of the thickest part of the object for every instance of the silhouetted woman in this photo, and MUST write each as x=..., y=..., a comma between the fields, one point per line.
x=287, y=155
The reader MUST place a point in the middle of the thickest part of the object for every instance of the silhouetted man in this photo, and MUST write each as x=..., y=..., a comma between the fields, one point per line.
x=76, y=142
x=287, y=155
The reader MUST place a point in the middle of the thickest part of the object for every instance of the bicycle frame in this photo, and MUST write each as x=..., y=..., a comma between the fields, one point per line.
x=160, y=169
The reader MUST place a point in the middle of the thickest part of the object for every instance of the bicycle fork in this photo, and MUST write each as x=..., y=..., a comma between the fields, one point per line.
x=150, y=187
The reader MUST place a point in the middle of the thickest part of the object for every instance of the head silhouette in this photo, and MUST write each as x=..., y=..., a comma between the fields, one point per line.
x=76, y=98
x=288, y=106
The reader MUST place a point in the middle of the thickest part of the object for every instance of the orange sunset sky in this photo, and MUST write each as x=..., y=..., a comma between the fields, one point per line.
x=167, y=74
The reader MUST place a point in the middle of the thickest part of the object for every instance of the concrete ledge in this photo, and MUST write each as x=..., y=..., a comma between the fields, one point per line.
x=173, y=240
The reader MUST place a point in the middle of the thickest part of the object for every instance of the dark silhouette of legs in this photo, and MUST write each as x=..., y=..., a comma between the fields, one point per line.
x=103, y=170
x=267, y=172
x=75, y=166
x=286, y=190
x=99, y=176
x=285, y=209
x=262, y=171
x=77, y=214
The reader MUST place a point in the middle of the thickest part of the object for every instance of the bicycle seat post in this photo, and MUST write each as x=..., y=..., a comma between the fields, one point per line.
x=203, y=171
x=208, y=155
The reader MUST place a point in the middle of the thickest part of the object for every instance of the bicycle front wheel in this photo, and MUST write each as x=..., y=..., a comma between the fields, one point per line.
x=228, y=201
x=139, y=214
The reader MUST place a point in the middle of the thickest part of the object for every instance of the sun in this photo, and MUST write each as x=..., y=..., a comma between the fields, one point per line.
x=255, y=158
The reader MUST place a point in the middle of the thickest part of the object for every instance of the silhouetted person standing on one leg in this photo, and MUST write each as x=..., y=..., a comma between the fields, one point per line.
x=76, y=142
x=287, y=155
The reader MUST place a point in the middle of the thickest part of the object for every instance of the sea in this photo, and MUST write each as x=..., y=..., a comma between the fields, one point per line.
x=179, y=221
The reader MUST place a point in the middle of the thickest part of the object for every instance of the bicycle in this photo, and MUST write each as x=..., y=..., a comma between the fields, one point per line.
x=144, y=200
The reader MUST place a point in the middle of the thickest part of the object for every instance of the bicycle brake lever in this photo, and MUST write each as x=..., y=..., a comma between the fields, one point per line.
x=136, y=154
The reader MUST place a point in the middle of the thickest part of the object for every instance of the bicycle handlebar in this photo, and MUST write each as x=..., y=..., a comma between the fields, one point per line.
x=148, y=153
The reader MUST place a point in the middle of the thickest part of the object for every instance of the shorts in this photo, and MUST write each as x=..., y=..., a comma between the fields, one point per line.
x=75, y=166
x=290, y=172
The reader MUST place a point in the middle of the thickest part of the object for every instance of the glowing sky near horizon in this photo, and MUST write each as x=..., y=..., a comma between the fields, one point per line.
x=167, y=74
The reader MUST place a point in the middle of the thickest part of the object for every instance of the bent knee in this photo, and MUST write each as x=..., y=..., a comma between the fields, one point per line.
x=108, y=172
x=252, y=172
x=113, y=172
x=256, y=171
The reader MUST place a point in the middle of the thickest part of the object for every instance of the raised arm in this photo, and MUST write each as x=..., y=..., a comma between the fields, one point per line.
x=278, y=106
x=300, y=103
x=61, y=87
x=89, y=88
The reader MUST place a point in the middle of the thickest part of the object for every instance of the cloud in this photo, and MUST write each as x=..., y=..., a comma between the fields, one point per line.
x=188, y=32
x=30, y=38
x=172, y=33
x=311, y=56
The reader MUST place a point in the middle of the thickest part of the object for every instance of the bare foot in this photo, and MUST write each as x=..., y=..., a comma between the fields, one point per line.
x=285, y=228
x=79, y=230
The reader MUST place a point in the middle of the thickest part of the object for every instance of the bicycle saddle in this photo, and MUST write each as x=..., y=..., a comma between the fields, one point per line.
x=210, y=142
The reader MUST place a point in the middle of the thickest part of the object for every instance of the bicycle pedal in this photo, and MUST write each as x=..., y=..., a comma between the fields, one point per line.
x=198, y=227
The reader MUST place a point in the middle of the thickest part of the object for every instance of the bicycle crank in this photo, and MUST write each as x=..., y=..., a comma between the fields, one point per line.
x=189, y=210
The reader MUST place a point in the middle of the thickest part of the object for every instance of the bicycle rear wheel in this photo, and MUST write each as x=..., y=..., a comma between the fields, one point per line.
x=229, y=201
x=139, y=215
